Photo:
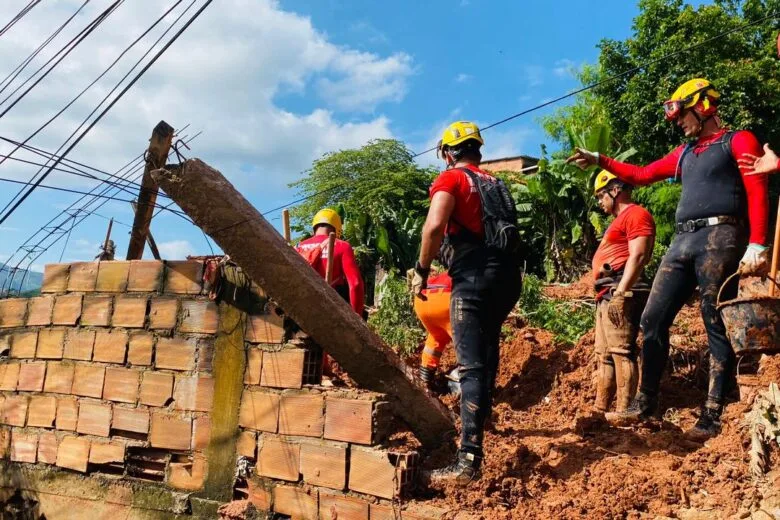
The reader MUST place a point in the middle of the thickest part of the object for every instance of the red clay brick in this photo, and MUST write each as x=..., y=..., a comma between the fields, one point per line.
x=175, y=353
x=55, y=278
x=183, y=277
x=140, y=349
x=79, y=344
x=50, y=343
x=201, y=433
x=88, y=380
x=42, y=411
x=246, y=446
x=163, y=313
x=9, y=375
x=40, y=311
x=372, y=473
x=121, y=385
x=301, y=415
x=96, y=311
x=67, y=413
x=199, y=316
x=278, y=459
x=129, y=311
x=59, y=378
x=383, y=512
x=31, y=377
x=12, y=312
x=283, y=369
x=94, y=419
x=73, y=453
x=324, y=464
x=24, y=447
x=193, y=393
x=295, y=502
x=145, y=276
x=265, y=328
x=342, y=507
x=67, y=309
x=110, y=346
x=15, y=410
x=23, y=344
x=254, y=364
x=259, y=495
x=171, y=432
x=5, y=345
x=112, y=276
x=5, y=439
x=349, y=420
x=259, y=411
x=83, y=276
x=205, y=354
x=47, y=448
x=156, y=388
x=106, y=453
x=131, y=420
x=188, y=476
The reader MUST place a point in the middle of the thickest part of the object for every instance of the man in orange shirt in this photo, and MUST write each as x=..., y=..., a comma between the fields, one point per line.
x=626, y=248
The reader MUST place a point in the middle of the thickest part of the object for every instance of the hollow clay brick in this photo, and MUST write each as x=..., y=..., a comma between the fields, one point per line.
x=47, y=448
x=83, y=276
x=110, y=347
x=163, y=313
x=205, y=354
x=198, y=316
x=254, y=363
x=296, y=502
x=24, y=447
x=301, y=415
x=278, y=459
x=129, y=311
x=50, y=343
x=183, y=277
x=67, y=309
x=171, y=432
x=175, y=354
x=259, y=411
x=9, y=376
x=14, y=410
x=349, y=420
x=40, y=311
x=324, y=464
x=265, y=328
x=59, y=378
x=94, y=418
x=259, y=495
x=201, y=433
x=67, y=413
x=73, y=453
x=193, y=393
x=55, y=278
x=140, y=348
x=106, y=453
x=156, y=388
x=188, y=476
x=31, y=377
x=96, y=311
x=343, y=507
x=145, y=276
x=121, y=385
x=12, y=312
x=246, y=446
x=42, y=411
x=23, y=344
x=88, y=380
x=283, y=369
x=112, y=276
x=5, y=439
x=372, y=473
x=131, y=419
x=79, y=344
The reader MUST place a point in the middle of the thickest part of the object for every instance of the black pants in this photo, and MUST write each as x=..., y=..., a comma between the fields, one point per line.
x=704, y=258
x=485, y=288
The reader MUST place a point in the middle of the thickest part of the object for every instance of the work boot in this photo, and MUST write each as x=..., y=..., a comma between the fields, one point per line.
x=426, y=375
x=642, y=407
x=707, y=426
x=464, y=470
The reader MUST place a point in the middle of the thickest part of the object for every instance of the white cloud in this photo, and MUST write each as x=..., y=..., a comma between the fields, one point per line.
x=175, y=249
x=463, y=78
x=533, y=75
x=564, y=68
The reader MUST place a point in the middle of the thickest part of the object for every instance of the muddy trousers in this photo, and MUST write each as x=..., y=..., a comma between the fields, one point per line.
x=705, y=258
x=434, y=313
x=485, y=288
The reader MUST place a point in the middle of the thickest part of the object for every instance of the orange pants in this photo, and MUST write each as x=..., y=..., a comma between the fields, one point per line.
x=434, y=313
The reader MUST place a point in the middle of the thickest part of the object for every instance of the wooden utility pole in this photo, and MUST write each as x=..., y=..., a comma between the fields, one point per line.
x=159, y=146
x=239, y=229
x=149, y=237
x=286, y=224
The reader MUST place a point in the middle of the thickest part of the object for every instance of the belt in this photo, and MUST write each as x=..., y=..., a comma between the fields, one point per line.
x=691, y=226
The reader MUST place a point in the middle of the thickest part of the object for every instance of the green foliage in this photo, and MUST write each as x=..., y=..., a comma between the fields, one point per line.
x=660, y=200
x=395, y=321
x=659, y=250
x=568, y=320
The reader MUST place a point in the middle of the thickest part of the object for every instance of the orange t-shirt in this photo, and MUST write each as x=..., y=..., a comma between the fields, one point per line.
x=633, y=222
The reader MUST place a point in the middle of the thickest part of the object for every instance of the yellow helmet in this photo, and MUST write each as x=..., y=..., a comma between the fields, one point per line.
x=688, y=95
x=459, y=132
x=329, y=217
x=602, y=180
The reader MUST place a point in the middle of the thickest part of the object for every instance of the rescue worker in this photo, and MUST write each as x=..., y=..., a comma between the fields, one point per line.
x=477, y=215
x=621, y=291
x=721, y=211
x=433, y=310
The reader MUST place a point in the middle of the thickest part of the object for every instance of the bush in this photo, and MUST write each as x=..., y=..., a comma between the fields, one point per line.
x=568, y=320
x=395, y=321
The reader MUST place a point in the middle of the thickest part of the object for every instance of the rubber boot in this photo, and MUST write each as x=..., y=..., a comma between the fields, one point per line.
x=426, y=375
x=707, y=426
x=605, y=384
x=642, y=407
x=463, y=471
x=626, y=378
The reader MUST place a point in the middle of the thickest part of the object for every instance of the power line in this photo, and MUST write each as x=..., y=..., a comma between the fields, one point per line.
x=26, y=9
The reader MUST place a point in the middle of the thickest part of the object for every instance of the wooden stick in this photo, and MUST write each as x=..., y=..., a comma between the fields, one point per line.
x=329, y=269
x=775, y=256
x=286, y=223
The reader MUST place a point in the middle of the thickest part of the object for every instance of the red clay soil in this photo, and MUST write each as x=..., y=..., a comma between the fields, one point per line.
x=547, y=457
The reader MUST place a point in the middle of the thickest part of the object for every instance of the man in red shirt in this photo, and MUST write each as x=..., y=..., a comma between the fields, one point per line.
x=477, y=214
x=626, y=248
x=720, y=211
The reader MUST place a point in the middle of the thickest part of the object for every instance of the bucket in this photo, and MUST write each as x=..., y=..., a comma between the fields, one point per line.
x=752, y=322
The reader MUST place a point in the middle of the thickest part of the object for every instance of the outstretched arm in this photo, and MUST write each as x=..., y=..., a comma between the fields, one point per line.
x=661, y=169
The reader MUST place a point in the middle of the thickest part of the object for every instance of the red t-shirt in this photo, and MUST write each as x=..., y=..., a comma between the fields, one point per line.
x=633, y=222
x=468, y=207
x=345, y=269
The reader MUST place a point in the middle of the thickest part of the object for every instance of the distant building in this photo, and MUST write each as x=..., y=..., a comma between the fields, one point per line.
x=518, y=163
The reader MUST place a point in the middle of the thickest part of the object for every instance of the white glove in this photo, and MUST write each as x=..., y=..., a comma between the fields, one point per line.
x=583, y=158
x=755, y=260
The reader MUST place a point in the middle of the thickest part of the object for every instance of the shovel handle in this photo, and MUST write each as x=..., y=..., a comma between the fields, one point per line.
x=331, y=264
x=775, y=255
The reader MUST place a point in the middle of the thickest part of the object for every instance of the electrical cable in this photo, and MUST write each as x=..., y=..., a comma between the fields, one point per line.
x=26, y=9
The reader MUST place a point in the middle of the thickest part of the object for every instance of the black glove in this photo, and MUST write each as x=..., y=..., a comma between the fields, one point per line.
x=420, y=280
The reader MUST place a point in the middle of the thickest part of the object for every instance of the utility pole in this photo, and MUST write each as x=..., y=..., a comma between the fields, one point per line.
x=149, y=237
x=159, y=146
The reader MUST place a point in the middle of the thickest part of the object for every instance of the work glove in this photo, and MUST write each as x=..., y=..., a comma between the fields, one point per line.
x=616, y=310
x=420, y=280
x=755, y=260
x=583, y=158
x=754, y=165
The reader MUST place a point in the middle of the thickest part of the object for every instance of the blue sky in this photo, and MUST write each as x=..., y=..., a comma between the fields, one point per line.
x=274, y=84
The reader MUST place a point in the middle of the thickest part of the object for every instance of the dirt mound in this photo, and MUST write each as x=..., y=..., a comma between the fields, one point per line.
x=582, y=288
